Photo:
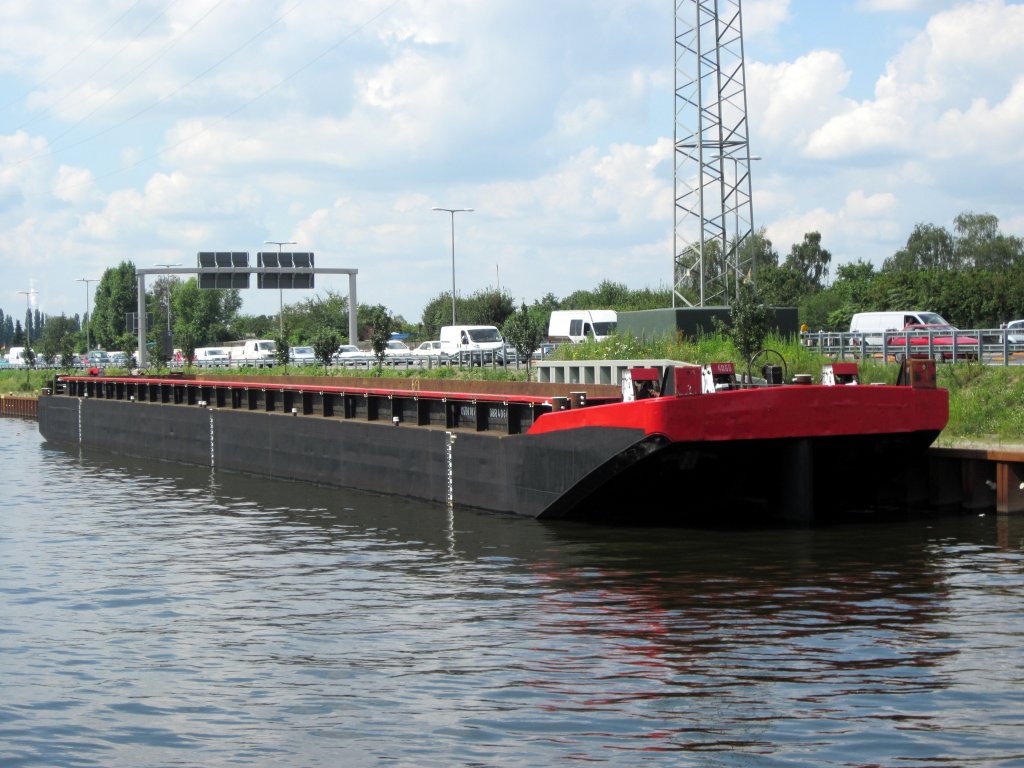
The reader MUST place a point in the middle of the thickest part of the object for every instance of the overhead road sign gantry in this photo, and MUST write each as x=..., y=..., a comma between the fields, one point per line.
x=284, y=270
x=231, y=269
x=223, y=269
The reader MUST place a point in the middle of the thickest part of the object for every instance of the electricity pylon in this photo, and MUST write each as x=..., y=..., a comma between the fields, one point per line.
x=713, y=209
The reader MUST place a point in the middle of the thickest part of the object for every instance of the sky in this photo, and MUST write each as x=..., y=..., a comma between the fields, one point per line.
x=150, y=130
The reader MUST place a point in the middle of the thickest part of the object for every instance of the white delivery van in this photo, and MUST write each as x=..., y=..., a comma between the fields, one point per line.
x=578, y=325
x=257, y=352
x=16, y=356
x=474, y=343
x=872, y=326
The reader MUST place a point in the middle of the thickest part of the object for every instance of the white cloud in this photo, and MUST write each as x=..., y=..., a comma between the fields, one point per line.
x=888, y=6
x=936, y=92
x=789, y=101
x=982, y=127
x=763, y=17
x=74, y=185
x=862, y=219
x=867, y=128
x=553, y=120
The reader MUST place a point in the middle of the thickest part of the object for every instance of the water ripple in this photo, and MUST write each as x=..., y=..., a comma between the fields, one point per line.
x=161, y=615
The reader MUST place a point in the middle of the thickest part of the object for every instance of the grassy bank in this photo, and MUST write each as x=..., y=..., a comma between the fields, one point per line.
x=986, y=403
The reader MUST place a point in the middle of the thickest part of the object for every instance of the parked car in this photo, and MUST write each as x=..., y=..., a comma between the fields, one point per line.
x=301, y=355
x=1015, y=331
x=940, y=336
x=397, y=349
x=349, y=352
x=212, y=357
x=430, y=349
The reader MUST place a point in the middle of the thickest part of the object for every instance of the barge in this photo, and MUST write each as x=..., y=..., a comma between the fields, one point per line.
x=687, y=444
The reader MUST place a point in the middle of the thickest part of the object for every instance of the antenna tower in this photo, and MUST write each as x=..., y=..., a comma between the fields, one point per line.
x=713, y=210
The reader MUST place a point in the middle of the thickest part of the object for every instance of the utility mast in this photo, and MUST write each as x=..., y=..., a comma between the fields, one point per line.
x=713, y=209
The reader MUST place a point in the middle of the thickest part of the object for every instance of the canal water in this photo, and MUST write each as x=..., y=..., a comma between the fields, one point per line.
x=154, y=615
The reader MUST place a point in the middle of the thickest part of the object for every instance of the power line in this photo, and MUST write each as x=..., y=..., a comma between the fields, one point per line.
x=100, y=68
x=224, y=117
x=46, y=78
x=149, y=64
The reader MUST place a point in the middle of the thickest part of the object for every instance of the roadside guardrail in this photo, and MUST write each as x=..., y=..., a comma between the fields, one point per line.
x=992, y=346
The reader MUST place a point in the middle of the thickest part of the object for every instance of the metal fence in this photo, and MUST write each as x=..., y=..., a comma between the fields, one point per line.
x=992, y=346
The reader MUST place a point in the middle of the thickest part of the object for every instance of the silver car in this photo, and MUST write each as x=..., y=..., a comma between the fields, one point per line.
x=301, y=355
x=349, y=352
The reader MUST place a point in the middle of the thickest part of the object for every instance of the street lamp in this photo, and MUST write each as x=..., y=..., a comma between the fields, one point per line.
x=453, y=211
x=280, y=292
x=87, y=280
x=168, y=294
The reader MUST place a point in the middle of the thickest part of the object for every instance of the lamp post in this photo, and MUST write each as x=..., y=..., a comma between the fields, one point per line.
x=453, y=211
x=87, y=280
x=280, y=291
x=736, y=212
x=168, y=294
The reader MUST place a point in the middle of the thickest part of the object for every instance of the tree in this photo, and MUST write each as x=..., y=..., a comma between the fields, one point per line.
x=781, y=285
x=489, y=307
x=927, y=247
x=852, y=289
x=547, y=303
x=757, y=250
x=58, y=340
x=308, y=318
x=282, y=351
x=607, y=295
x=715, y=267
x=810, y=260
x=979, y=243
x=380, y=323
x=116, y=295
x=253, y=327
x=200, y=316
x=525, y=332
x=325, y=343
x=751, y=321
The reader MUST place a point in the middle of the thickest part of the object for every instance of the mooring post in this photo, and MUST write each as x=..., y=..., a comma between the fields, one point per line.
x=1009, y=487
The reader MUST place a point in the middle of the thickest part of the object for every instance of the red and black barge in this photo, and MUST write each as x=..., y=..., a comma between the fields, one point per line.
x=682, y=445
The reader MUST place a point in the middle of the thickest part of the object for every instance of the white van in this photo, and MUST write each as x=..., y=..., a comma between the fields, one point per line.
x=258, y=352
x=16, y=356
x=474, y=343
x=578, y=325
x=872, y=326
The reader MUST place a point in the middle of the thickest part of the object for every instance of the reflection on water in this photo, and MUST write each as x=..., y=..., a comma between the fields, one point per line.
x=159, y=614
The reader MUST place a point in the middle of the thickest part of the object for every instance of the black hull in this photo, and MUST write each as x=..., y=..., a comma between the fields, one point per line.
x=591, y=473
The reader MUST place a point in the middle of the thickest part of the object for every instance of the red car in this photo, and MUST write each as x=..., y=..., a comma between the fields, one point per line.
x=941, y=339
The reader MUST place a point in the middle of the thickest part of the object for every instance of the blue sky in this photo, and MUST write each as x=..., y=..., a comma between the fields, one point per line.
x=152, y=129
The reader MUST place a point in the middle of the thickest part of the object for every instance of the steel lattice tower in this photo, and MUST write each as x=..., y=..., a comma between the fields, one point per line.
x=713, y=209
